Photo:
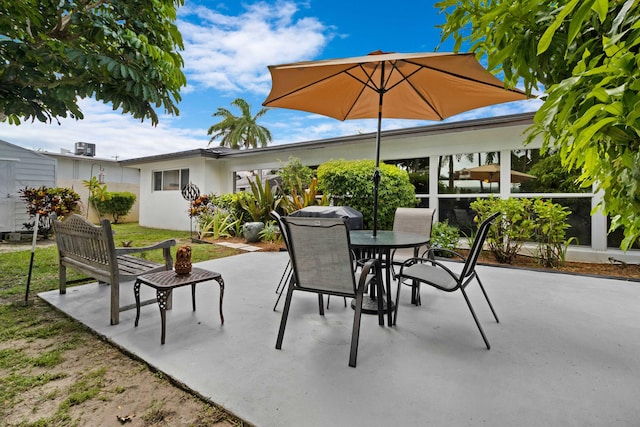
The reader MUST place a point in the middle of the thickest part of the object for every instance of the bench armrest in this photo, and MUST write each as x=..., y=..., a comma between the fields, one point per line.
x=164, y=244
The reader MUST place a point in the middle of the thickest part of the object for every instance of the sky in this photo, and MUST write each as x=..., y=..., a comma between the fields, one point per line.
x=228, y=46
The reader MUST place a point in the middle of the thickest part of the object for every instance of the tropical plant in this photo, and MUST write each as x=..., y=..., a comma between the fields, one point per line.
x=261, y=201
x=349, y=183
x=45, y=201
x=270, y=232
x=97, y=193
x=54, y=53
x=511, y=230
x=216, y=225
x=586, y=55
x=240, y=131
x=298, y=197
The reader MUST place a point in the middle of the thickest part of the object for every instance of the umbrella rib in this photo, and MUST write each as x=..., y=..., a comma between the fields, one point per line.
x=460, y=76
x=369, y=83
x=284, y=95
x=406, y=78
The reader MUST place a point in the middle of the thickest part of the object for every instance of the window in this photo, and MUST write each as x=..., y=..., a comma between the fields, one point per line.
x=470, y=173
x=169, y=180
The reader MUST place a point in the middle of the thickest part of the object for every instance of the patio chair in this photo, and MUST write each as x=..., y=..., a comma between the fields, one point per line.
x=434, y=273
x=411, y=220
x=322, y=263
x=286, y=274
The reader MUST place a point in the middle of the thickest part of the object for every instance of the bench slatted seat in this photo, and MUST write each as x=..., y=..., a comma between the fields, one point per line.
x=91, y=250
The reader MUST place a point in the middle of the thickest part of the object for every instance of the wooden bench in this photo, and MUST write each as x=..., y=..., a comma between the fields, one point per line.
x=91, y=250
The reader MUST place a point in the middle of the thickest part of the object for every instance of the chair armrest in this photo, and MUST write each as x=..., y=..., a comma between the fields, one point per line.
x=162, y=245
x=412, y=261
x=366, y=268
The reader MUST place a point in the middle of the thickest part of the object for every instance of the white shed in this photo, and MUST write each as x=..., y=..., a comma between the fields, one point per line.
x=20, y=168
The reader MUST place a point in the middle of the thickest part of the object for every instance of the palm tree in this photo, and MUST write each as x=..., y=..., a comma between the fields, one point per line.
x=239, y=131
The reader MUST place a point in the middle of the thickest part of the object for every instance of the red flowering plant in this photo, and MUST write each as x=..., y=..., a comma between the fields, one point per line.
x=46, y=201
x=200, y=206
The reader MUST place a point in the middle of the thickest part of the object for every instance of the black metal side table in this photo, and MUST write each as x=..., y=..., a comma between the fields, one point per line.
x=165, y=281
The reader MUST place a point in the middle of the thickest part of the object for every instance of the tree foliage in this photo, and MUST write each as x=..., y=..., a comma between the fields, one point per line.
x=586, y=54
x=55, y=52
x=240, y=131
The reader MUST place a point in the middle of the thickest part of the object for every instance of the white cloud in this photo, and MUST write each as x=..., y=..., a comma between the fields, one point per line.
x=113, y=133
x=231, y=53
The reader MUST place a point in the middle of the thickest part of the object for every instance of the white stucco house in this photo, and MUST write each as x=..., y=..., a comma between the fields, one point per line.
x=74, y=167
x=215, y=170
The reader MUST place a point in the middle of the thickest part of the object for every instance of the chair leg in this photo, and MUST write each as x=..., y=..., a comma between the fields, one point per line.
x=487, y=298
x=395, y=313
x=473, y=313
x=288, y=278
x=285, y=315
x=355, y=334
x=321, y=304
x=283, y=279
x=329, y=299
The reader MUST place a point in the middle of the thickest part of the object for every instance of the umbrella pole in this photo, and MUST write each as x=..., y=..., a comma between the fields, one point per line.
x=376, y=172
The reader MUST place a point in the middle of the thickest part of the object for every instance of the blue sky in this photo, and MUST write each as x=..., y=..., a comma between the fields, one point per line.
x=228, y=47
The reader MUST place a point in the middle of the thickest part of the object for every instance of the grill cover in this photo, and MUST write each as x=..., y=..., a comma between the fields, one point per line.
x=354, y=217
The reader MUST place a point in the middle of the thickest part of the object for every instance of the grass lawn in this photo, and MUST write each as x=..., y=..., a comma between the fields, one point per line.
x=55, y=372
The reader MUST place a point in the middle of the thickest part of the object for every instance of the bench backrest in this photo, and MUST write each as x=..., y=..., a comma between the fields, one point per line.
x=86, y=245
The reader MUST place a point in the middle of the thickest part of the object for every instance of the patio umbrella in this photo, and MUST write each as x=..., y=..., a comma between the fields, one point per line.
x=427, y=86
x=491, y=173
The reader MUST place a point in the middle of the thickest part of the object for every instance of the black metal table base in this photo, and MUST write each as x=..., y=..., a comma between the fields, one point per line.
x=370, y=305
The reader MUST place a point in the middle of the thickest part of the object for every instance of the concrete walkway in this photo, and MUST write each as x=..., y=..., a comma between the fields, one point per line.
x=566, y=353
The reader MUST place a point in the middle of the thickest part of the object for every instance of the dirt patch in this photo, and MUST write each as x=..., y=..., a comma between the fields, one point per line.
x=128, y=392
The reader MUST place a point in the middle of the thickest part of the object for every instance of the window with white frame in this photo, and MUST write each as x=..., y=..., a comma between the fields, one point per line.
x=170, y=180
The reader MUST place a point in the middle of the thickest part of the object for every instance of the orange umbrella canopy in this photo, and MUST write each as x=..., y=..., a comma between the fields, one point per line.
x=491, y=173
x=427, y=86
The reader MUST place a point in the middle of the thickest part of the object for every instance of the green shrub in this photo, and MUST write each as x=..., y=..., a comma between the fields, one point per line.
x=524, y=220
x=444, y=236
x=116, y=204
x=349, y=183
x=551, y=225
x=510, y=231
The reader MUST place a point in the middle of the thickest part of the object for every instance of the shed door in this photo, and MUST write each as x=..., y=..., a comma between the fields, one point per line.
x=7, y=197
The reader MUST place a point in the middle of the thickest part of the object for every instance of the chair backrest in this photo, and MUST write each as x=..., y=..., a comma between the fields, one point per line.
x=478, y=243
x=276, y=216
x=320, y=254
x=414, y=220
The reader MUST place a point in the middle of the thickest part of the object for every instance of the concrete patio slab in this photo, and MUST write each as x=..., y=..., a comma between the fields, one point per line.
x=566, y=352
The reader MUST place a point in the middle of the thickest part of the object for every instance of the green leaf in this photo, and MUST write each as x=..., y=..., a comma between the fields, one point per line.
x=601, y=7
x=547, y=36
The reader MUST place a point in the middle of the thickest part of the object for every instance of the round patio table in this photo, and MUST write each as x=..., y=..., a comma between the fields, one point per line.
x=381, y=245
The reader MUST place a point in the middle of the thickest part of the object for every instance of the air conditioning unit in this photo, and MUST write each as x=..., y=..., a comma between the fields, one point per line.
x=85, y=149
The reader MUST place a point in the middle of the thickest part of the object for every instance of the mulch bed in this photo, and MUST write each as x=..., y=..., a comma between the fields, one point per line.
x=609, y=270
